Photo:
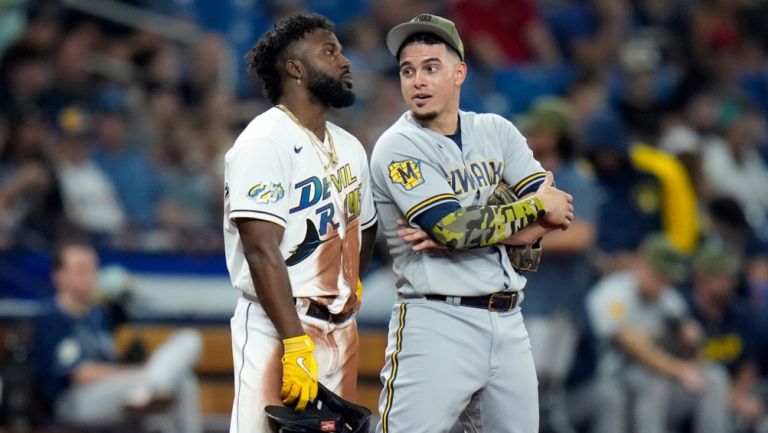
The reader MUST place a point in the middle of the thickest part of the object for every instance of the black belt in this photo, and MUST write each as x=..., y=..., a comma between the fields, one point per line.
x=320, y=312
x=501, y=301
x=316, y=310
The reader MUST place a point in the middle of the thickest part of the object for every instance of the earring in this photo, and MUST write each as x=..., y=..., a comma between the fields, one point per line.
x=298, y=81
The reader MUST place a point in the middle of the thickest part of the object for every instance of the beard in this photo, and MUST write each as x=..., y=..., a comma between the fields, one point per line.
x=424, y=117
x=331, y=92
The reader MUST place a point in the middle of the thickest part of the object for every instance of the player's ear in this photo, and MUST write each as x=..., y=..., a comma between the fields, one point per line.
x=460, y=73
x=294, y=68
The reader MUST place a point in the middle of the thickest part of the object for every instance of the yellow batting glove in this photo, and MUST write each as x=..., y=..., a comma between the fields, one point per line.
x=359, y=291
x=299, y=371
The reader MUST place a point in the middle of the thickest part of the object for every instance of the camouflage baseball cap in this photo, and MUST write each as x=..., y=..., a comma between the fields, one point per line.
x=664, y=258
x=715, y=260
x=425, y=23
x=550, y=113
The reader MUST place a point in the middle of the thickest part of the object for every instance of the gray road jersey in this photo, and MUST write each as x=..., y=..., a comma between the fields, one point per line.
x=414, y=169
x=614, y=304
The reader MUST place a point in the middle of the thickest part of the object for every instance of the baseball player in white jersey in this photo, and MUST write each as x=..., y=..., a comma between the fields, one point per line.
x=457, y=347
x=297, y=212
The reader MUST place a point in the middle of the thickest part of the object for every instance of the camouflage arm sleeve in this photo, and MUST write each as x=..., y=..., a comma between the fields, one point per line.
x=481, y=226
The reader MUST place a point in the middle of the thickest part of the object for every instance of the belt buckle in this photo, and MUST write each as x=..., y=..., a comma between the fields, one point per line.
x=511, y=297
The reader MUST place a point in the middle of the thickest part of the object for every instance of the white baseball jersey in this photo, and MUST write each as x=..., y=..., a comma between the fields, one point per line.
x=275, y=173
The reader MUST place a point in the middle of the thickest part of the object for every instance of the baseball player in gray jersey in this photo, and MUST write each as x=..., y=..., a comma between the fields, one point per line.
x=457, y=347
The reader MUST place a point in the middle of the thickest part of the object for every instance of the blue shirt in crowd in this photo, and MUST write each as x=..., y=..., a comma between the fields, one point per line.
x=135, y=181
x=562, y=281
x=732, y=339
x=63, y=343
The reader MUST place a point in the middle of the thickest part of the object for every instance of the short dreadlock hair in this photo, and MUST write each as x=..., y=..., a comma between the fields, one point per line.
x=263, y=58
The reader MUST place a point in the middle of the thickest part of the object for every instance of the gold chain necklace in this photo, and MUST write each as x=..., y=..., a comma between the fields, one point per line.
x=329, y=153
x=332, y=158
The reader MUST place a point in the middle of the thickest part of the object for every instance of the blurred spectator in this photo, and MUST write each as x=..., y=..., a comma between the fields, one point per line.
x=588, y=95
x=550, y=131
x=187, y=188
x=662, y=21
x=89, y=197
x=649, y=342
x=129, y=169
x=208, y=69
x=733, y=161
x=73, y=85
x=639, y=103
x=729, y=226
x=164, y=114
x=44, y=24
x=501, y=33
x=215, y=122
x=716, y=33
x=555, y=293
x=362, y=46
x=24, y=75
x=762, y=352
x=31, y=208
x=757, y=282
x=644, y=189
x=597, y=47
x=163, y=66
x=12, y=22
x=730, y=335
x=682, y=141
x=78, y=370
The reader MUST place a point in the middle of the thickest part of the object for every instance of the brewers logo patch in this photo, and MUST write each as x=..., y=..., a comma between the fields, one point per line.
x=267, y=192
x=646, y=197
x=407, y=173
x=617, y=310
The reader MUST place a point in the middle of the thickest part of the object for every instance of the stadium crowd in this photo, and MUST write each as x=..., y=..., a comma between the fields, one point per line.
x=653, y=114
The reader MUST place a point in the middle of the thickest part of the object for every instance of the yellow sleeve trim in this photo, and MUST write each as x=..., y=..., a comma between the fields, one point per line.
x=679, y=214
x=527, y=181
x=430, y=201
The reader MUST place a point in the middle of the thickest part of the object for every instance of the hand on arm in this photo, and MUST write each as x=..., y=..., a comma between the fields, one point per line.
x=418, y=238
x=642, y=348
x=261, y=246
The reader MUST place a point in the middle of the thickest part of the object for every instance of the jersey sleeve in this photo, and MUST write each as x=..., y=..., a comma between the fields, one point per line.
x=521, y=170
x=368, y=210
x=607, y=311
x=258, y=176
x=410, y=179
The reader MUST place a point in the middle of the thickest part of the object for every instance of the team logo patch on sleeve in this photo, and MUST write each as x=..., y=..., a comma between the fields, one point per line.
x=406, y=173
x=267, y=192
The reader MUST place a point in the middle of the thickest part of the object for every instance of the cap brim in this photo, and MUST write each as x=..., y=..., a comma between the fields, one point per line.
x=401, y=32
